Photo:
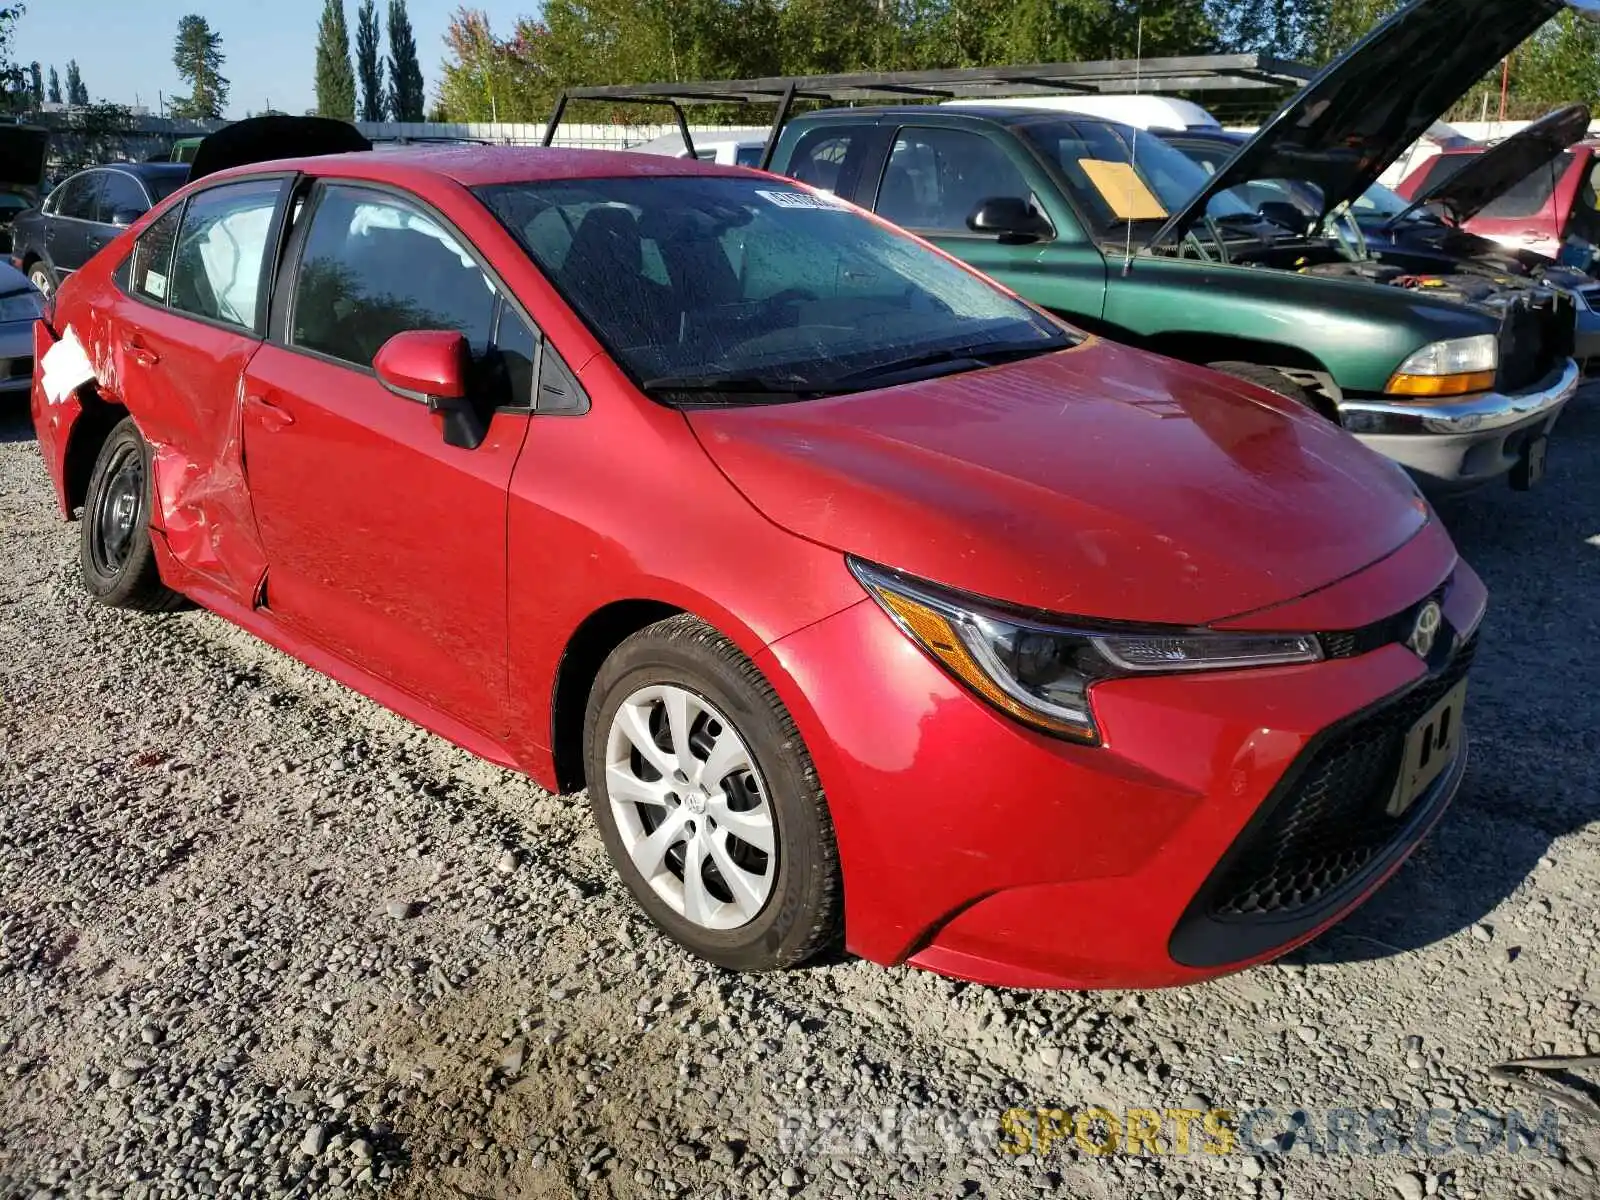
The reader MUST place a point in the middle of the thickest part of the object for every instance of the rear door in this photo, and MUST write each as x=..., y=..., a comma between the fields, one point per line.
x=66, y=231
x=385, y=545
x=190, y=316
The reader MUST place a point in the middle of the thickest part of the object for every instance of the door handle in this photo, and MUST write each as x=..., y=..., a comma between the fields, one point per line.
x=267, y=413
x=139, y=352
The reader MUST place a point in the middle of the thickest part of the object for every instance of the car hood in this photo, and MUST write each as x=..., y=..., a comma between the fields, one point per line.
x=22, y=152
x=1485, y=177
x=261, y=139
x=1096, y=482
x=1345, y=127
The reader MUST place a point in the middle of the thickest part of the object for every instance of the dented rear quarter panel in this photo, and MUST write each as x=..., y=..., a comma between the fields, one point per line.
x=184, y=401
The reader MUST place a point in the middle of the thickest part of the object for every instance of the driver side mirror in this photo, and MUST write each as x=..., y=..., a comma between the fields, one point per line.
x=123, y=217
x=432, y=367
x=1011, y=217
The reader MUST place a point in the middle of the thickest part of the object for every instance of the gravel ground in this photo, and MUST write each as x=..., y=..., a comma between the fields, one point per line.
x=260, y=937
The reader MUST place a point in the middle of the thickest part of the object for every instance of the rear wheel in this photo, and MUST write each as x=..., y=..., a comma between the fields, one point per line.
x=39, y=275
x=115, y=555
x=1273, y=380
x=708, y=802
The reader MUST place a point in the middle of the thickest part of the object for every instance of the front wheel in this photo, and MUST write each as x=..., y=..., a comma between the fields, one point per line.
x=707, y=801
x=39, y=275
x=117, y=561
x=1273, y=380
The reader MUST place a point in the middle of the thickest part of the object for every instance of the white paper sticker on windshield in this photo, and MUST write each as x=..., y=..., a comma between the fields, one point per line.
x=155, y=285
x=801, y=200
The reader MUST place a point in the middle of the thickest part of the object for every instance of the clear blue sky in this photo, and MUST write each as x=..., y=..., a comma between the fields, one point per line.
x=124, y=47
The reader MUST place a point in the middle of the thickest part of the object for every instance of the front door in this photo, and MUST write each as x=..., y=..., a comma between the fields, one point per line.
x=384, y=545
x=71, y=220
x=934, y=180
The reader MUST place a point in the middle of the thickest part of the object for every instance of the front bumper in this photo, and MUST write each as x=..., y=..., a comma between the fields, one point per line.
x=1466, y=442
x=979, y=849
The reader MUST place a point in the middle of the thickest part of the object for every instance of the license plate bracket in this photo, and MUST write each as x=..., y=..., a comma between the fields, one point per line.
x=1530, y=469
x=1431, y=746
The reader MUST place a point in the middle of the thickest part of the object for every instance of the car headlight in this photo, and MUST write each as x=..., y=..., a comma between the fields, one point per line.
x=1455, y=367
x=1040, y=671
x=21, y=306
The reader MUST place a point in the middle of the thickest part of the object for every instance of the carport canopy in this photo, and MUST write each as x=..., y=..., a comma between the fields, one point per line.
x=1204, y=73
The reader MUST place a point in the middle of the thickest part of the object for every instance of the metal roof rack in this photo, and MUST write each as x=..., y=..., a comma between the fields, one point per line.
x=1215, y=72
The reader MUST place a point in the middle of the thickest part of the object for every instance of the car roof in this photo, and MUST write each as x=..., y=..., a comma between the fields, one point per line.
x=993, y=114
x=478, y=166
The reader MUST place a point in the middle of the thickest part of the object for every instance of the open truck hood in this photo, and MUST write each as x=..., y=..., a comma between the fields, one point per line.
x=1484, y=178
x=262, y=139
x=1364, y=109
x=22, y=151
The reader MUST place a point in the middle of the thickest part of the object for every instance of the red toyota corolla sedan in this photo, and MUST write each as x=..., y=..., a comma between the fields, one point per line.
x=866, y=600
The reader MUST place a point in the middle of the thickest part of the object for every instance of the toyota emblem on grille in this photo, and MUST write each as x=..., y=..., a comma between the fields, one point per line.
x=1426, y=630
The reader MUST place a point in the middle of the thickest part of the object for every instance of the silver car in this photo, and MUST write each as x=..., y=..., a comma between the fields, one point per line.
x=20, y=305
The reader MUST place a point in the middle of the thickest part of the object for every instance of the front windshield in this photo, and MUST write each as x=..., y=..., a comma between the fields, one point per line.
x=699, y=278
x=1117, y=174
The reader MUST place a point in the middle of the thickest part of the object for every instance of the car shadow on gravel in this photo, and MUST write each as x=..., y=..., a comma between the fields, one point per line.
x=16, y=422
x=1533, y=713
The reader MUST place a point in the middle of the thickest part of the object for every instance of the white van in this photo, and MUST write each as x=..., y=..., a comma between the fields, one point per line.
x=730, y=147
x=1142, y=112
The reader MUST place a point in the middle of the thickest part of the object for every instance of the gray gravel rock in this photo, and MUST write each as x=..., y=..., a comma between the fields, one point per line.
x=206, y=989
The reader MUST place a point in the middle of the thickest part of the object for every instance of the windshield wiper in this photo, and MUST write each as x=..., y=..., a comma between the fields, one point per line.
x=732, y=388
x=984, y=354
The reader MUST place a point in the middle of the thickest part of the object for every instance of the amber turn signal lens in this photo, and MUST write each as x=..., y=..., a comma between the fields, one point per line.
x=932, y=629
x=1433, y=387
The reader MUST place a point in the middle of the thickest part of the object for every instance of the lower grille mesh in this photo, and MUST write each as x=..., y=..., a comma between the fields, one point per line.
x=1332, y=824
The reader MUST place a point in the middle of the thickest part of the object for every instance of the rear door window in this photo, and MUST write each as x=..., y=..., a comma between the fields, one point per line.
x=832, y=158
x=78, y=197
x=222, y=244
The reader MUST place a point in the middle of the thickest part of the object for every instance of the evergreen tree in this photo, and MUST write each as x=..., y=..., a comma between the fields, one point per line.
x=77, y=91
x=53, y=92
x=407, y=97
x=197, y=54
x=36, y=85
x=369, y=66
x=336, y=82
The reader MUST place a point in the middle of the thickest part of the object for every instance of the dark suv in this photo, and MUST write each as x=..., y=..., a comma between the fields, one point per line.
x=85, y=212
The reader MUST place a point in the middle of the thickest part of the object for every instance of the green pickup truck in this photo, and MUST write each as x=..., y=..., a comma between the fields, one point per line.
x=1125, y=236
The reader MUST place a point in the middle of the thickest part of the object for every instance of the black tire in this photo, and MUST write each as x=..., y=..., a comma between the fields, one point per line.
x=114, y=552
x=802, y=914
x=1273, y=380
